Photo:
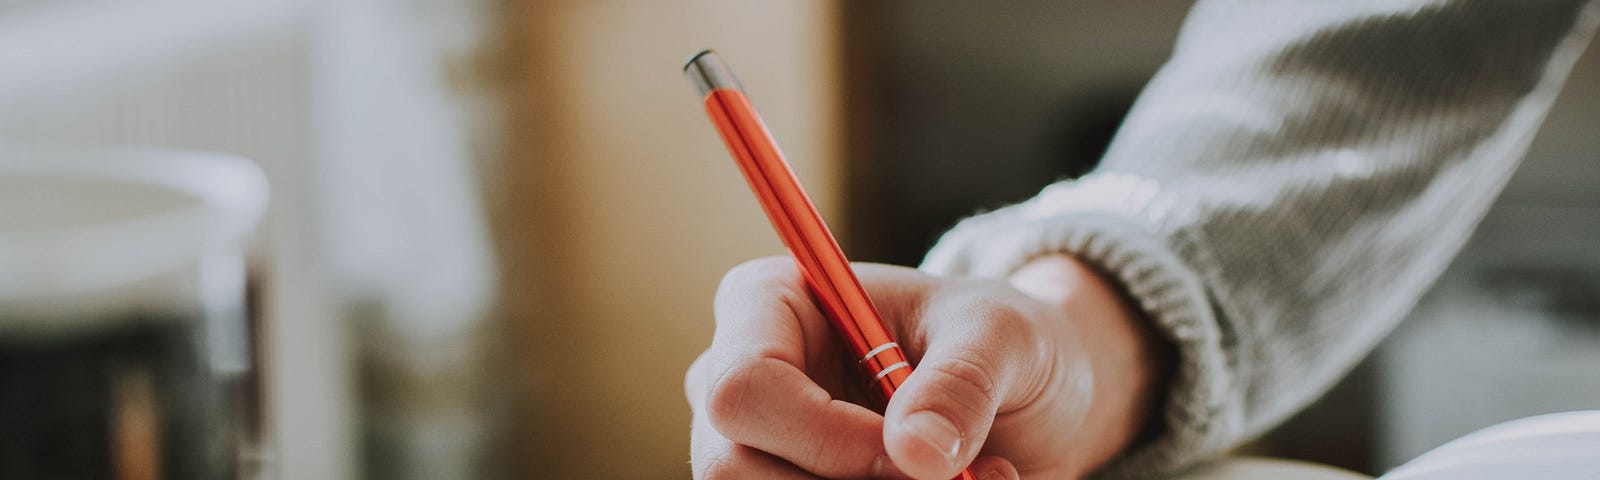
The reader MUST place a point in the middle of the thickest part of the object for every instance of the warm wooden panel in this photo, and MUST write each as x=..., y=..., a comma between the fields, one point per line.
x=623, y=210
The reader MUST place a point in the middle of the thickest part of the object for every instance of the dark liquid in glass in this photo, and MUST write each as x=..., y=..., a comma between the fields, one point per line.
x=132, y=400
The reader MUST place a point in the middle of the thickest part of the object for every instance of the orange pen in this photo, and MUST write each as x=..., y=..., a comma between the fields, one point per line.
x=833, y=284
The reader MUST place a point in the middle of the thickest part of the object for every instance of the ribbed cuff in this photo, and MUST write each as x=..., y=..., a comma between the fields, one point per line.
x=1128, y=227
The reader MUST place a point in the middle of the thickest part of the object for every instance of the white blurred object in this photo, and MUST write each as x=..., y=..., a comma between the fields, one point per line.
x=97, y=243
x=88, y=234
x=400, y=215
x=1511, y=330
x=1557, y=446
x=374, y=208
x=61, y=205
x=405, y=236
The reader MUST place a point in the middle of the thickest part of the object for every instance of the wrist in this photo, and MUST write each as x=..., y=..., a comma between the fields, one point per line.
x=1129, y=359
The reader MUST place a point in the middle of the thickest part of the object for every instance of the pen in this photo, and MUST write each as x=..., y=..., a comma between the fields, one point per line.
x=823, y=265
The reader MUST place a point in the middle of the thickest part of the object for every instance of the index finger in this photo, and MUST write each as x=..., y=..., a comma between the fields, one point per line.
x=762, y=311
x=753, y=385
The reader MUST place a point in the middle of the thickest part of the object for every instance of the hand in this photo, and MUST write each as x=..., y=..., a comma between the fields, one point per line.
x=1049, y=375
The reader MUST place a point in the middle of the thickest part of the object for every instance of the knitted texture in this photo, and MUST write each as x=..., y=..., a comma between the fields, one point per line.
x=1287, y=187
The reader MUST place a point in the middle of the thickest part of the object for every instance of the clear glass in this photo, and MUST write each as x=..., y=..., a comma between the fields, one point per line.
x=126, y=347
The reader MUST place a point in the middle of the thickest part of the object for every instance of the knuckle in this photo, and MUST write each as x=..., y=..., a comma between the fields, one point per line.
x=1001, y=318
x=1012, y=331
x=999, y=307
x=1004, y=317
x=993, y=306
x=728, y=396
x=961, y=382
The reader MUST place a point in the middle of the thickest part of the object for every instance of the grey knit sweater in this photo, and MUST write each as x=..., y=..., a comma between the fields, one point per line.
x=1288, y=185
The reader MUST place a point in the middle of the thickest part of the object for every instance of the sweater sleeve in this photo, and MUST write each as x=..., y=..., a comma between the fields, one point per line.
x=1288, y=186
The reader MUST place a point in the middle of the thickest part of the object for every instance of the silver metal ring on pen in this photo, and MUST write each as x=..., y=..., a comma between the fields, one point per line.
x=891, y=368
x=877, y=351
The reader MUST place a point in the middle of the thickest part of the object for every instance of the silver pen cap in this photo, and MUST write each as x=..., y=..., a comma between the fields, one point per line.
x=708, y=73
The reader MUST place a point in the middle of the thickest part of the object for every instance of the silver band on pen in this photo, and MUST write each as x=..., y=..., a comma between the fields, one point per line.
x=891, y=368
x=877, y=351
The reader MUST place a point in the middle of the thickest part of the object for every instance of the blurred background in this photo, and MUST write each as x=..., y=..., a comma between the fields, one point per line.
x=496, y=225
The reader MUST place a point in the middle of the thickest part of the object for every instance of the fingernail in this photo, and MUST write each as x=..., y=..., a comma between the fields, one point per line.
x=936, y=431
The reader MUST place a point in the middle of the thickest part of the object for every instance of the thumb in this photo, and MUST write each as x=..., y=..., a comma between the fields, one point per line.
x=976, y=358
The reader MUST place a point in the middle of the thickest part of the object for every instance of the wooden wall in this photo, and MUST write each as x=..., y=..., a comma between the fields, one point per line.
x=622, y=210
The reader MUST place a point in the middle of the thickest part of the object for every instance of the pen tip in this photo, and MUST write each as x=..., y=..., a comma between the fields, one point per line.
x=697, y=56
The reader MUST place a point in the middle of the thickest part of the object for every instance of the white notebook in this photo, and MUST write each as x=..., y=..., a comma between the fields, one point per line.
x=1557, y=446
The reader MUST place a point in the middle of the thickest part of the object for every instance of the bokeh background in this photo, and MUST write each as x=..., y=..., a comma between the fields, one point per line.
x=497, y=224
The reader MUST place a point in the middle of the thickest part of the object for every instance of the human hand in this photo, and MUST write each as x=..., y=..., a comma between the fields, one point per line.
x=1048, y=375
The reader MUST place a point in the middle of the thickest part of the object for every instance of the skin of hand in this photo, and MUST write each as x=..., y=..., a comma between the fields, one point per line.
x=1048, y=374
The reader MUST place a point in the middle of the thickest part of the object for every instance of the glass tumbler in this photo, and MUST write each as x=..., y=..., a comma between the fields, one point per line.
x=126, y=347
